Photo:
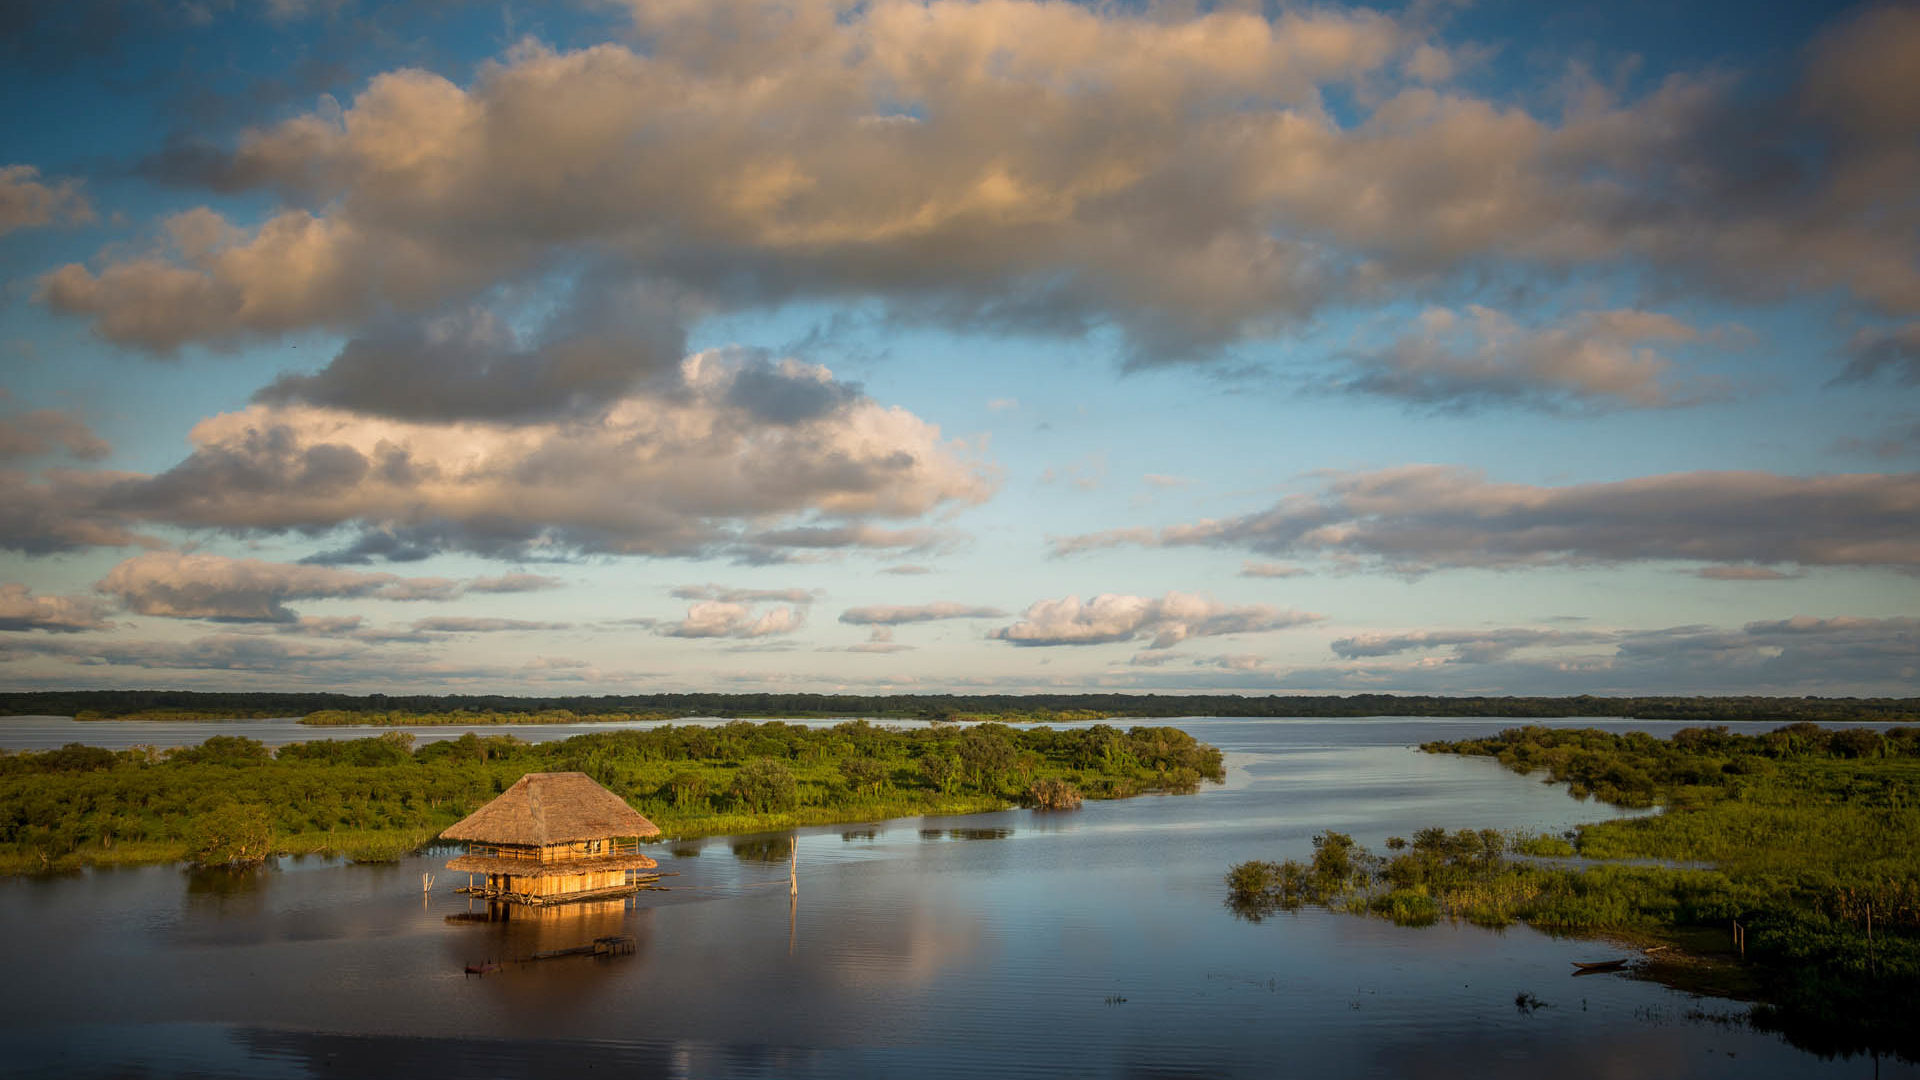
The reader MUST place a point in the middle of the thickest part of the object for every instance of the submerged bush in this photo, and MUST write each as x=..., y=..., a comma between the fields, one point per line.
x=1053, y=794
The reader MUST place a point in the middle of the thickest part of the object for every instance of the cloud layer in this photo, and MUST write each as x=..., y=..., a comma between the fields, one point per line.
x=21, y=610
x=183, y=586
x=900, y=614
x=1591, y=360
x=1426, y=517
x=1036, y=166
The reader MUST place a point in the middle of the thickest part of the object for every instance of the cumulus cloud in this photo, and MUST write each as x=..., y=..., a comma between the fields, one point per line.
x=890, y=615
x=1418, y=518
x=46, y=430
x=27, y=201
x=678, y=474
x=717, y=619
x=187, y=586
x=1589, y=360
x=1030, y=166
x=1168, y=620
x=21, y=610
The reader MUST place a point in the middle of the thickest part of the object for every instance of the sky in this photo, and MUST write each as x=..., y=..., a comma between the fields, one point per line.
x=920, y=347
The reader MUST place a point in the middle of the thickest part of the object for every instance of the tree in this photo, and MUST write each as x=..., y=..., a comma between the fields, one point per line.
x=230, y=835
x=987, y=755
x=689, y=789
x=764, y=785
x=865, y=774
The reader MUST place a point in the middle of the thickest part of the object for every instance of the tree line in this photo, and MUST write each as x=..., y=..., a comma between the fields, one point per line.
x=188, y=704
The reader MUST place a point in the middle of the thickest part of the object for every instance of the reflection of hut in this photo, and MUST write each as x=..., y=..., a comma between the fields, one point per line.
x=551, y=838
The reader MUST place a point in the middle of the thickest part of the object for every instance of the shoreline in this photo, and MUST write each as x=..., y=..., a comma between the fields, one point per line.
x=380, y=847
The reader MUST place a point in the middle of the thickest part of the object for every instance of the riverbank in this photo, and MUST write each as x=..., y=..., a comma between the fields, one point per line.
x=234, y=800
x=1813, y=887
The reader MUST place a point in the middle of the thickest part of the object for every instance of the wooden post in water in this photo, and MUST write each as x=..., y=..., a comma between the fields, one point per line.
x=1872, y=967
x=793, y=866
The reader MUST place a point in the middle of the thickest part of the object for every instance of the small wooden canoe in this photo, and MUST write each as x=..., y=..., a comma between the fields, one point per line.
x=487, y=968
x=1595, y=967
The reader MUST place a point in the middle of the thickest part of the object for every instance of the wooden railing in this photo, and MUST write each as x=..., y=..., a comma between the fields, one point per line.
x=626, y=846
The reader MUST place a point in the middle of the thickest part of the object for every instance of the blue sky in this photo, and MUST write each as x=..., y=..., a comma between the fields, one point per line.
x=793, y=344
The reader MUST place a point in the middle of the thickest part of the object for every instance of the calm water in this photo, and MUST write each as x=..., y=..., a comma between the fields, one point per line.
x=1092, y=943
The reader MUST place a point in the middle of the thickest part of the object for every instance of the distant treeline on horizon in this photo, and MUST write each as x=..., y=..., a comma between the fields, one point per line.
x=110, y=703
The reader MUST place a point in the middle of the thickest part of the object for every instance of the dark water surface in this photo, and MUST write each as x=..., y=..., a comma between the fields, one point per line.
x=1092, y=943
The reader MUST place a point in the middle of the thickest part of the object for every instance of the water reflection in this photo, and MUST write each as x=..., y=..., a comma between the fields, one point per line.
x=966, y=834
x=763, y=849
x=1091, y=944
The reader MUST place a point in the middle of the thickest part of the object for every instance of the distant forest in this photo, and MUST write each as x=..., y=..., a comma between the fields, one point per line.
x=155, y=704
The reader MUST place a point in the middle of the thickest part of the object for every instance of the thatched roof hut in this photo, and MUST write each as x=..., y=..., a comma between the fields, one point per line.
x=553, y=837
x=545, y=808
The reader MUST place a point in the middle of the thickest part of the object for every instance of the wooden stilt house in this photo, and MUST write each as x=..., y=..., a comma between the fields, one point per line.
x=552, y=838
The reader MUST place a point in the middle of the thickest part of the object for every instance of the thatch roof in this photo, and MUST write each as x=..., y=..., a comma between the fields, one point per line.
x=552, y=808
x=593, y=864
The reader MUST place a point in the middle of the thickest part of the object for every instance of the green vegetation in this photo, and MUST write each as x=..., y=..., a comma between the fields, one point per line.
x=174, y=715
x=1804, y=837
x=402, y=718
x=1009, y=708
x=232, y=800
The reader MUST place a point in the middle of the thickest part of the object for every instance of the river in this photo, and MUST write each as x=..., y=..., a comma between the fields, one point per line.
x=1092, y=943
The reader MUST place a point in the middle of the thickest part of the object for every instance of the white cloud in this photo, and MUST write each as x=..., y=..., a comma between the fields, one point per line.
x=715, y=619
x=684, y=473
x=1169, y=620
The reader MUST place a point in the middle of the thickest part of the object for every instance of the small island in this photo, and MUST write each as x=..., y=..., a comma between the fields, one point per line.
x=235, y=800
x=1781, y=867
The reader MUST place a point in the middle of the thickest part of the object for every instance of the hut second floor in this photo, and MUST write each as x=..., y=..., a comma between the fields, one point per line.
x=552, y=837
